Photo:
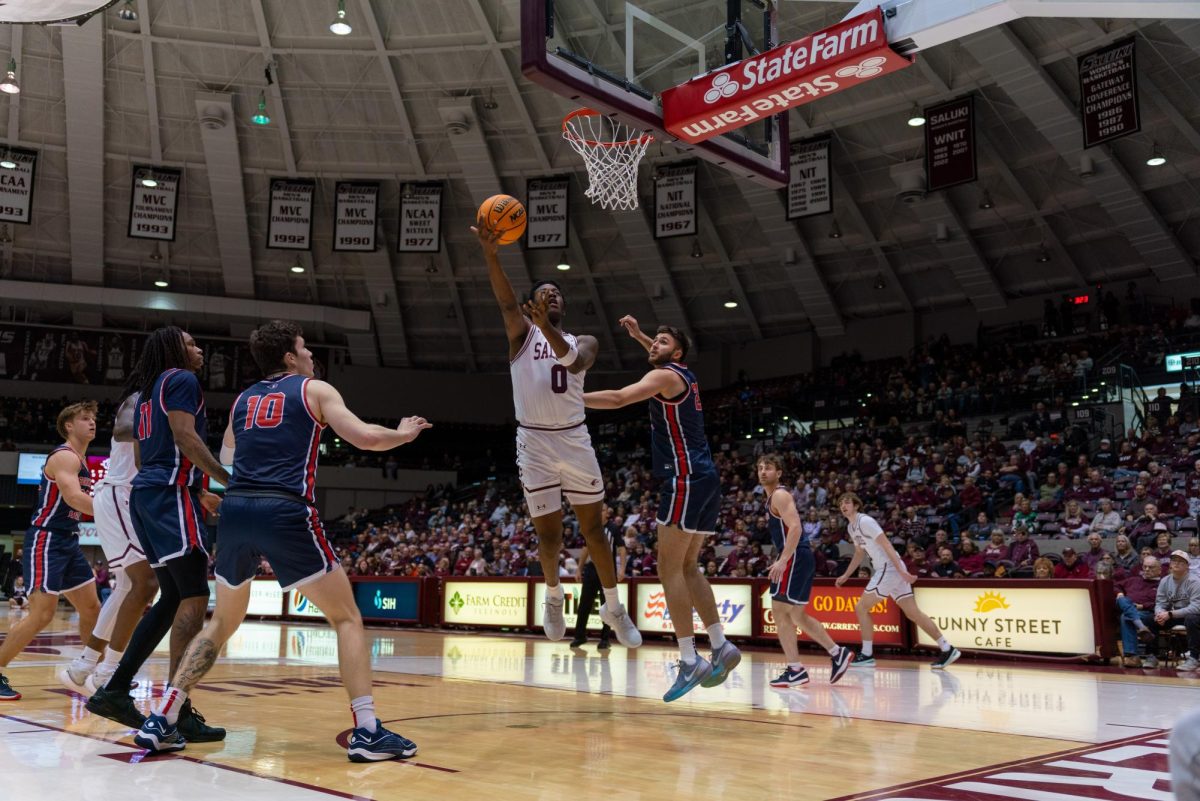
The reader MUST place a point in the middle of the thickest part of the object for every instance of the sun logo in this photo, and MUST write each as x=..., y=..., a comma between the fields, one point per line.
x=990, y=602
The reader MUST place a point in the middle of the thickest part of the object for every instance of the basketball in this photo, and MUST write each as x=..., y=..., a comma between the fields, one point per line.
x=503, y=213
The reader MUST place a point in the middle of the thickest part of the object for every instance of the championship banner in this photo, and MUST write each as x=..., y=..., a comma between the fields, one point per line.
x=1108, y=96
x=675, y=201
x=290, y=225
x=733, y=605
x=547, y=202
x=1050, y=620
x=17, y=168
x=153, y=203
x=486, y=603
x=834, y=607
x=356, y=208
x=421, y=218
x=809, y=190
x=950, y=144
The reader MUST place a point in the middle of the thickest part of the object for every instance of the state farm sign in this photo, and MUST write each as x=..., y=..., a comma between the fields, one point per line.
x=843, y=55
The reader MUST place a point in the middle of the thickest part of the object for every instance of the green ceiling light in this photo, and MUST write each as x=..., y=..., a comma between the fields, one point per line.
x=9, y=85
x=260, y=117
x=339, y=26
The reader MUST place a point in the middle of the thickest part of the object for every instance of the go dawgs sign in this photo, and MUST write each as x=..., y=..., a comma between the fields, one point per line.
x=843, y=55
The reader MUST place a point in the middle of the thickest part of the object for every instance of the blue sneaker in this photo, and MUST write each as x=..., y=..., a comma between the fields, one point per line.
x=686, y=678
x=790, y=678
x=7, y=693
x=378, y=745
x=159, y=736
x=724, y=660
x=839, y=664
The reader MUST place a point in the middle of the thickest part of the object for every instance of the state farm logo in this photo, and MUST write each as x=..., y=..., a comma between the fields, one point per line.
x=867, y=68
x=722, y=86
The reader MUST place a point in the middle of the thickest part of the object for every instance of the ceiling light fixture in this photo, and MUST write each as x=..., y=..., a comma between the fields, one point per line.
x=731, y=304
x=339, y=25
x=697, y=253
x=298, y=267
x=916, y=117
x=1043, y=255
x=563, y=264
x=147, y=180
x=162, y=283
x=490, y=104
x=9, y=85
x=985, y=202
x=589, y=309
x=260, y=117
x=879, y=282
x=5, y=237
x=835, y=231
x=1157, y=159
x=127, y=12
x=7, y=161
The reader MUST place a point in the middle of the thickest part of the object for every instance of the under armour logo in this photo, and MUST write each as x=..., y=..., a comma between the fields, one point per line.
x=723, y=85
x=867, y=68
x=595, y=481
x=541, y=506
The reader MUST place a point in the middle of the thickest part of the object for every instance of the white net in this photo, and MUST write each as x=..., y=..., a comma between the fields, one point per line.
x=612, y=151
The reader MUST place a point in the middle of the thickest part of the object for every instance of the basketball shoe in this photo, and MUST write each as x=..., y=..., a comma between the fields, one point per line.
x=946, y=659
x=724, y=660
x=192, y=726
x=790, y=678
x=7, y=693
x=862, y=660
x=839, y=663
x=116, y=706
x=619, y=621
x=687, y=677
x=159, y=736
x=553, y=622
x=75, y=678
x=378, y=745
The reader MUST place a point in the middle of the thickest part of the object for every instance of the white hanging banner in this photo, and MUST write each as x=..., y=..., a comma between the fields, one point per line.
x=153, y=203
x=421, y=218
x=290, y=225
x=809, y=190
x=354, y=216
x=17, y=167
x=547, y=202
x=675, y=201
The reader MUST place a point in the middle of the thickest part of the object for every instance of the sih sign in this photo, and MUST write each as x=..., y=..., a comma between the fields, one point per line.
x=355, y=212
x=733, y=605
x=1051, y=620
x=290, y=226
x=851, y=52
x=950, y=144
x=809, y=191
x=675, y=201
x=1108, y=96
x=16, y=184
x=548, y=203
x=421, y=218
x=153, y=203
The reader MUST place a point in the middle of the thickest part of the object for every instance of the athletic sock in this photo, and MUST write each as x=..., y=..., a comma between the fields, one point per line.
x=868, y=648
x=944, y=644
x=363, y=709
x=555, y=592
x=795, y=667
x=687, y=650
x=612, y=598
x=835, y=650
x=111, y=658
x=89, y=657
x=716, y=635
x=172, y=704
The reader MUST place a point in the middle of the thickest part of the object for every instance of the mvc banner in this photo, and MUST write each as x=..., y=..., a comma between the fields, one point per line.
x=1108, y=95
x=675, y=201
x=16, y=184
x=547, y=202
x=153, y=203
x=809, y=192
x=420, y=218
x=290, y=224
x=950, y=144
x=356, y=209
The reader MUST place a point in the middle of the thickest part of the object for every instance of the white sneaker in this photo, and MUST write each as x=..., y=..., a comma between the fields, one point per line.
x=98, y=678
x=553, y=622
x=619, y=621
x=73, y=677
x=1188, y=665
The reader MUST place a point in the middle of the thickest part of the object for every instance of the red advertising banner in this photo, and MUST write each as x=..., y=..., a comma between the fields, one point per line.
x=844, y=55
x=834, y=607
x=950, y=144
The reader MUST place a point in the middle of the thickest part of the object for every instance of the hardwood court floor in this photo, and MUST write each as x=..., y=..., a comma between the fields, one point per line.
x=514, y=718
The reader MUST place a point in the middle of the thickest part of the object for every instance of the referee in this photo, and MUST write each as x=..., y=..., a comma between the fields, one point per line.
x=586, y=573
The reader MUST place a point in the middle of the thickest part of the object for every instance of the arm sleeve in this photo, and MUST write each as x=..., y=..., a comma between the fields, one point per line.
x=182, y=393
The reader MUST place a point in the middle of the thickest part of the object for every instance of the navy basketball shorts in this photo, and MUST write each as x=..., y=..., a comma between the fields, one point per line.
x=690, y=502
x=795, y=585
x=288, y=533
x=53, y=562
x=168, y=521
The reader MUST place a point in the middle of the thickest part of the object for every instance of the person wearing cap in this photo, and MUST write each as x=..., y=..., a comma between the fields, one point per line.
x=1071, y=566
x=1022, y=550
x=1178, y=601
x=1106, y=457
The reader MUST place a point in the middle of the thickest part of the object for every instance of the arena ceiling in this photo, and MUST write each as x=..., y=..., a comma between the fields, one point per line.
x=99, y=98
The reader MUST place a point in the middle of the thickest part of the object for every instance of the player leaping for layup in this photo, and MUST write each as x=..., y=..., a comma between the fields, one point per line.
x=554, y=451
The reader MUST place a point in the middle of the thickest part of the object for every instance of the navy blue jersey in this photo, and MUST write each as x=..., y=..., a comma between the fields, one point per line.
x=163, y=464
x=779, y=530
x=677, y=441
x=51, y=511
x=276, y=437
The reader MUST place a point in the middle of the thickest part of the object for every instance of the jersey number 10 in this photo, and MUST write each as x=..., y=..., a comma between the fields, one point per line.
x=264, y=411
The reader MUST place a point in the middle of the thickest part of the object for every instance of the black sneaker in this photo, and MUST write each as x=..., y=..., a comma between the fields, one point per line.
x=839, y=664
x=578, y=642
x=116, y=706
x=603, y=646
x=946, y=659
x=862, y=660
x=7, y=693
x=193, y=728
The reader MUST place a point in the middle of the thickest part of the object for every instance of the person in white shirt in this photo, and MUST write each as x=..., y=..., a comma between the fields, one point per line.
x=1106, y=521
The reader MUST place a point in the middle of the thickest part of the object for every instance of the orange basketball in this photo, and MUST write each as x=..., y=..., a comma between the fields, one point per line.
x=503, y=213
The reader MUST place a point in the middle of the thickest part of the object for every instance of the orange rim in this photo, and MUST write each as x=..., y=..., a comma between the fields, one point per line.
x=588, y=112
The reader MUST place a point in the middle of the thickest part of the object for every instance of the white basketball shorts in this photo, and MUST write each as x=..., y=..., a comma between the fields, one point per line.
x=117, y=538
x=557, y=462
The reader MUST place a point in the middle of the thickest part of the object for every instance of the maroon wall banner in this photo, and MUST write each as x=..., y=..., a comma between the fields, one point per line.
x=1108, y=97
x=950, y=144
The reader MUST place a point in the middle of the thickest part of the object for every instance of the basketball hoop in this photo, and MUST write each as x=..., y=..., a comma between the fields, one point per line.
x=612, y=151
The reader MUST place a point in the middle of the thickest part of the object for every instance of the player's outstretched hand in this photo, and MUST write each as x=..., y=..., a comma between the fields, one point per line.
x=630, y=324
x=488, y=239
x=411, y=427
x=538, y=311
